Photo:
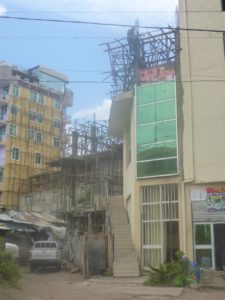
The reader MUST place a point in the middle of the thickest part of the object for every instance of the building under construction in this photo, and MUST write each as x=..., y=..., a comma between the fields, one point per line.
x=77, y=191
x=89, y=171
x=141, y=58
x=86, y=187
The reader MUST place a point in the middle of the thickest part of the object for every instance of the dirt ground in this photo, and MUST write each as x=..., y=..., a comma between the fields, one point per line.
x=48, y=284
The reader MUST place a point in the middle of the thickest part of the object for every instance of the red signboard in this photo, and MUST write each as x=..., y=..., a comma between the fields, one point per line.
x=159, y=73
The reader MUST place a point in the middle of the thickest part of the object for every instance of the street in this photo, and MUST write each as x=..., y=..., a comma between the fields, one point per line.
x=48, y=284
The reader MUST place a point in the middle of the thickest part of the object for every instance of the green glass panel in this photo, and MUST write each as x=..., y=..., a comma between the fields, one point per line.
x=165, y=90
x=154, y=151
x=146, y=134
x=202, y=234
x=146, y=114
x=156, y=168
x=165, y=110
x=156, y=112
x=152, y=133
x=155, y=92
x=166, y=131
x=146, y=94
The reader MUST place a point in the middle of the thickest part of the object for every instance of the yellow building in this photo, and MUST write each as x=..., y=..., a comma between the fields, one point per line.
x=32, y=119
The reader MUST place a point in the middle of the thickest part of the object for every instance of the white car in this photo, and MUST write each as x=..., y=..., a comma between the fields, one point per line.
x=45, y=253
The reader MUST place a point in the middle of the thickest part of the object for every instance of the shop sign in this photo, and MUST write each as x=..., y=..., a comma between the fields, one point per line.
x=215, y=199
x=198, y=195
x=160, y=73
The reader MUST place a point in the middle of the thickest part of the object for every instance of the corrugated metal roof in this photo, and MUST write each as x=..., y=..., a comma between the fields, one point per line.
x=31, y=221
x=32, y=218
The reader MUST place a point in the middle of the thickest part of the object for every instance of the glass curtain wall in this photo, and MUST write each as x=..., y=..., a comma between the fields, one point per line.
x=156, y=129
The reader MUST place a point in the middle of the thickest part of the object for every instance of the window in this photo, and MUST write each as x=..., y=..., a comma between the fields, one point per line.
x=2, y=134
x=31, y=135
x=40, y=99
x=56, y=142
x=39, y=137
x=15, y=153
x=3, y=112
x=160, y=221
x=156, y=127
x=58, y=104
x=35, y=136
x=39, y=117
x=223, y=5
x=37, y=245
x=12, y=129
x=36, y=97
x=1, y=174
x=56, y=123
x=33, y=96
x=36, y=117
x=14, y=109
x=202, y=234
x=203, y=244
x=38, y=158
x=32, y=115
x=15, y=90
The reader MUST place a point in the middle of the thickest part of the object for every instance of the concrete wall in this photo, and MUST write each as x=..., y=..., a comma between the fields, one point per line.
x=129, y=176
x=202, y=68
x=46, y=201
x=202, y=62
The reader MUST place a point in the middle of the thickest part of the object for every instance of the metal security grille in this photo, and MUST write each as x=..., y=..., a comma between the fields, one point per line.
x=160, y=233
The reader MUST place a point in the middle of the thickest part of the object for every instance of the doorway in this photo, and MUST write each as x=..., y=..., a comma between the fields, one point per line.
x=219, y=246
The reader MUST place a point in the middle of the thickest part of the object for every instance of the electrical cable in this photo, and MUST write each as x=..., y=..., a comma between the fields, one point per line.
x=110, y=24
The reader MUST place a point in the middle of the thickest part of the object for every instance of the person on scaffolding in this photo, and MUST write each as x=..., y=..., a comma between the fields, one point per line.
x=131, y=39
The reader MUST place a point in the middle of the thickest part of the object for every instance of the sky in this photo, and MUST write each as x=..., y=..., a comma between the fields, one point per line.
x=74, y=49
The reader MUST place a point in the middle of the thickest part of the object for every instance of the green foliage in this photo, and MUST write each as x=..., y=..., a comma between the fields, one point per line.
x=9, y=270
x=108, y=272
x=175, y=273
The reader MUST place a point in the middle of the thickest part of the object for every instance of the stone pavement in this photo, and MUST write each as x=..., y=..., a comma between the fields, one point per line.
x=213, y=279
x=134, y=286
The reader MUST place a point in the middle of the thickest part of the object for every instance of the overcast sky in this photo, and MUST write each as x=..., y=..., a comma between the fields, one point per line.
x=74, y=49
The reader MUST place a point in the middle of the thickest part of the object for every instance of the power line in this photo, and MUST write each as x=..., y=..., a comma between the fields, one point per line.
x=110, y=24
x=75, y=22
x=115, y=12
x=94, y=12
x=55, y=37
x=110, y=82
x=89, y=37
x=69, y=81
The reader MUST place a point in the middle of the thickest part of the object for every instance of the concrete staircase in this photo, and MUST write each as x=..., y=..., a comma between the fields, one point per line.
x=125, y=262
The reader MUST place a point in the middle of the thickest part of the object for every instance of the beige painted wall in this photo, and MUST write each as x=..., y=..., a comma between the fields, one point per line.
x=202, y=73
x=129, y=175
x=202, y=66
